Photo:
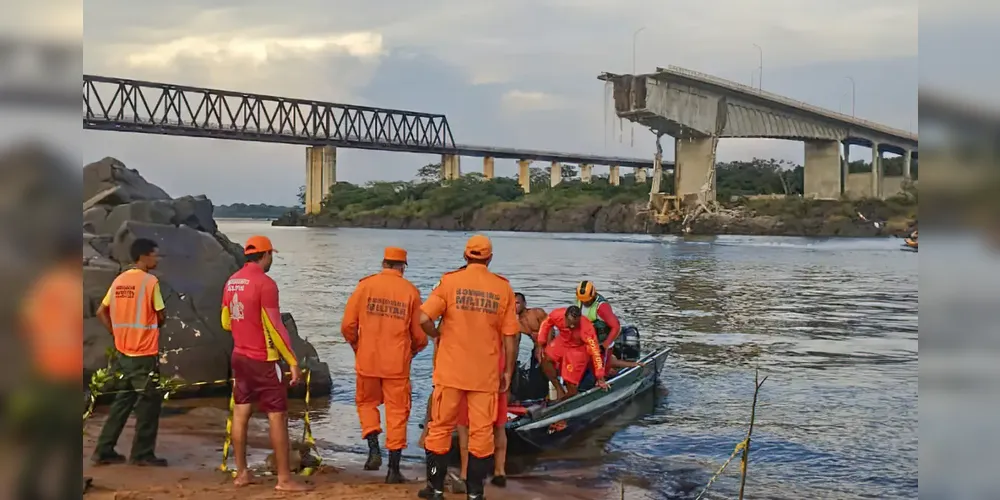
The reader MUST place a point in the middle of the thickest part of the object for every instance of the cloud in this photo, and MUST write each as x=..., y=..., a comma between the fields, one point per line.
x=255, y=51
x=520, y=101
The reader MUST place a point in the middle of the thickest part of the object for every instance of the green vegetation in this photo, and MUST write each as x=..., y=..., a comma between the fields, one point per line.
x=426, y=198
x=244, y=211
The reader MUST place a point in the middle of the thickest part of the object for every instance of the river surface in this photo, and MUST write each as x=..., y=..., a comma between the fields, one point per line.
x=831, y=322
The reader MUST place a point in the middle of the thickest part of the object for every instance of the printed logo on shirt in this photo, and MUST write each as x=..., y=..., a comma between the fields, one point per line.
x=468, y=299
x=125, y=292
x=237, y=284
x=236, y=308
x=387, y=307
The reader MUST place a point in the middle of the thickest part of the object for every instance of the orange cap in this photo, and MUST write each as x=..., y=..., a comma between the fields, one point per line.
x=479, y=247
x=394, y=254
x=257, y=244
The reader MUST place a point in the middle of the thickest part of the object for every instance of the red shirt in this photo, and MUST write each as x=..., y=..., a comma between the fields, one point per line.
x=250, y=311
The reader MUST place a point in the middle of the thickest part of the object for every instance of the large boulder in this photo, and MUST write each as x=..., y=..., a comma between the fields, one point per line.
x=196, y=260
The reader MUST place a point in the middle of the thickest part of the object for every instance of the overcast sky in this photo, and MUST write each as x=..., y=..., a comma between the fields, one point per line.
x=516, y=73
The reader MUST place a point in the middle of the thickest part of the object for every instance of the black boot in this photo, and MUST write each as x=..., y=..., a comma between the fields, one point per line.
x=437, y=469
x=394, y=476
x=374, y=452
x=475, y=483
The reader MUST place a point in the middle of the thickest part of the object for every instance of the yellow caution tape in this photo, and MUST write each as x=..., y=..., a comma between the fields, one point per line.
x=739, y=448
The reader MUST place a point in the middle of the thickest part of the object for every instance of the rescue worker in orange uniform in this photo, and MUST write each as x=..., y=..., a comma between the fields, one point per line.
x=250, y=310
x=499, y=435
x=570, y=352
x=133, y=311
x=477, y=310
x=51, y=323
x=382, y=324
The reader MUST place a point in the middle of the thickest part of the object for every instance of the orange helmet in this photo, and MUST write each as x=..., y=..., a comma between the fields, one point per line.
x=585, y=291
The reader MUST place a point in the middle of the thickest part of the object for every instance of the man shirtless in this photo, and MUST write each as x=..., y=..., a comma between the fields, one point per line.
x=530, y=319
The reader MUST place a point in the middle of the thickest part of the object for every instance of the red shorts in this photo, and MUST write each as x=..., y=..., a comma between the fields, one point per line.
x=259, y=383
x=463, y=413
x=571, y=361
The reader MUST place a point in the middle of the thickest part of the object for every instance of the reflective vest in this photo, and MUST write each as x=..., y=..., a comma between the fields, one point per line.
x=54, y=322
x=603, y=330
x=133, y=319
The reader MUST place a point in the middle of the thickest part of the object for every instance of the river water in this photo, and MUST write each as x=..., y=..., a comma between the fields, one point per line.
x=831, y=322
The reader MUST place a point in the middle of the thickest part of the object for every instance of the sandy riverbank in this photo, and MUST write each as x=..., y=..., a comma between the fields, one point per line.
x=192, y=442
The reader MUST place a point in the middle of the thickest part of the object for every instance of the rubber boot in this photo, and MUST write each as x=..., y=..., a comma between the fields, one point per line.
x=437, y=469
x=374, y=452
x=475, y=483
x=394, y=476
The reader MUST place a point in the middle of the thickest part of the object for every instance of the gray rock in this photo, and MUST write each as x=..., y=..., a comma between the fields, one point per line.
x=100, y=176
x=196, y=260
x=196, y=212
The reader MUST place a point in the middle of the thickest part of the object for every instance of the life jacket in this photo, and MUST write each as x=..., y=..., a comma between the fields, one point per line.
x=602, y=328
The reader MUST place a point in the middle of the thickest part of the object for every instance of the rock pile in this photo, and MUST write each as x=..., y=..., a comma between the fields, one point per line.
x=196, y=260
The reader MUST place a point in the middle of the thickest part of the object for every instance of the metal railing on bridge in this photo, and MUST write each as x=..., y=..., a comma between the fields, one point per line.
x=147, y=107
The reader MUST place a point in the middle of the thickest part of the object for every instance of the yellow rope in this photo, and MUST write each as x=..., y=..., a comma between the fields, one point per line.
x=743, y=466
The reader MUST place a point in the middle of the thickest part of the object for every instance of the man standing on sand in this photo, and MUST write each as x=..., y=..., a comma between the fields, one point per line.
x=477, y=310
x=382, y=324
x=251, y=312
x=133, y=312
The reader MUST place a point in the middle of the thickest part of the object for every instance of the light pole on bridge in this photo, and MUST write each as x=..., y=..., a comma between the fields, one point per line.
x=854, y=92
x=760, y=68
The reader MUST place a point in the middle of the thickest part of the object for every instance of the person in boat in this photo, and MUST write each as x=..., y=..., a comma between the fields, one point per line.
x=570, y=352
x=530, y=321
x=477, y=312
x=382, y=325
x=596, y=308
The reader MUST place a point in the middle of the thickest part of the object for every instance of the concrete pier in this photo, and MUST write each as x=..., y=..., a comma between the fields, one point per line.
x=657, y=175
x=524, y=175
x=321, y=175
x=451, y=167
x=488, y=167
x=586, y=173
x=845, y=170
x=555, y=174
x=693, y=165
x=907, y=160
x=614, y=175
x=876, y=191
x=822, y=170
x=640, y=176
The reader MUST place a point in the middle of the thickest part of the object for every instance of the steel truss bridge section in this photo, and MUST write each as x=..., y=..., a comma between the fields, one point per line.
x=124, y=105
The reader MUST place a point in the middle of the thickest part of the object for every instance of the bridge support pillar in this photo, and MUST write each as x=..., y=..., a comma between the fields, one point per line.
x=321, y=175
x=845, y=171
x=555, y=174
x=586, y=173
x=614, y=176
x=876, y=179
x=488, y=167
x=451, y=167
x=693, y=167
x=907, y=160
x=640, y=175
x=524, y=175
x=822, y=170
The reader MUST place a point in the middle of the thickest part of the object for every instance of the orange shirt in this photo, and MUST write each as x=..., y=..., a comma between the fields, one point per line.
x=584, y=336
x=382, y=324
x=53, y=321
x=477, y=309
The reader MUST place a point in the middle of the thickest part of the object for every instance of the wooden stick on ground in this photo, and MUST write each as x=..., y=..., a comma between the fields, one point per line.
x=753, y=414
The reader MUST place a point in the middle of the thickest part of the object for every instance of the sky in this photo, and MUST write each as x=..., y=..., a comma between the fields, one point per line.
x=516, y=73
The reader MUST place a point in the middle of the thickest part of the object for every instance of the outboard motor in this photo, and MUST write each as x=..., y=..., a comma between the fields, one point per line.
x=628, y=347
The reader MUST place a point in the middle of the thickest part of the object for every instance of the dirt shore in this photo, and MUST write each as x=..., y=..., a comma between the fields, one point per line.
x=191, y=440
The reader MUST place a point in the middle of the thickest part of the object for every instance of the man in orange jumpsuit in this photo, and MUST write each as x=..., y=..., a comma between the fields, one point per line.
x=382, y=324
x=569, y=351
x=477, y=310
x=250, y=310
